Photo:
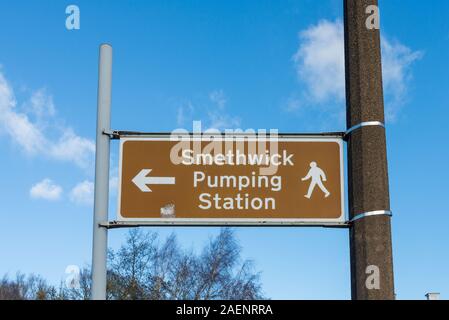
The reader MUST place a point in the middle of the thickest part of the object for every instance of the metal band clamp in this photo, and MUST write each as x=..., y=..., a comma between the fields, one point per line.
x=371, y=213
x=363, y=124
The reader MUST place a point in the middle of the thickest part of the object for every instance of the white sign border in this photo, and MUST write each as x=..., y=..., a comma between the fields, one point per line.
x=234, y=221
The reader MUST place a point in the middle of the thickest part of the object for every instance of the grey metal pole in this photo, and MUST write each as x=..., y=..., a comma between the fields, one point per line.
x=370, y=236
x=100, y=234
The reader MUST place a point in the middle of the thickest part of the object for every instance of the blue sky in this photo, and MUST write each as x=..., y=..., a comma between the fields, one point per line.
x=247, y=64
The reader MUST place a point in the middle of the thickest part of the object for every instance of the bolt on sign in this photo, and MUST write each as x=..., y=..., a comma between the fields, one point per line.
x=186, y=179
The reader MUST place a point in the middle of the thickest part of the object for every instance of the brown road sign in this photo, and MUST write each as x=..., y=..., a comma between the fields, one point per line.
x=183, y=180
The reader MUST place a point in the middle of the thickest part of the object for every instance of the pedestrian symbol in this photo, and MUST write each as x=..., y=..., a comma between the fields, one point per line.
x=318, y=177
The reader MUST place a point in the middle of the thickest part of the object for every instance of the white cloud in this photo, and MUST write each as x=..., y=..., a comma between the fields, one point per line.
x=46, y=189
x=41, y=104
x=217, y=116
x=396, y=62
x=221, y=121
x=34, y=136
x=293, y=105
x=320, y=66
x=17, y=125
x=184, y=114
x=71, y=147
x=218, y=97
x=83, y=193
x=320, y=61
x=215, y=110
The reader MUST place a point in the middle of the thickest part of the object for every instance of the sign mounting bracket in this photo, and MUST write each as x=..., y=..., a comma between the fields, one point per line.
x=112, y=134
x=117, y=134
x=130, y=224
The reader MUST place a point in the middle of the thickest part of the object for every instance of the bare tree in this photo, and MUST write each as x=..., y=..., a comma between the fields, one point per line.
x=26, y=288
x=129, y=267
x=221, y=276
x=145, y=267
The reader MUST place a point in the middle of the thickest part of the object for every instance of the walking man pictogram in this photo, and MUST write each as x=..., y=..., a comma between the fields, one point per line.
x=318, y=176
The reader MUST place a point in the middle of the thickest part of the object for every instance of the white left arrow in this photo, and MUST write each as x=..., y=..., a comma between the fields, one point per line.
x=141, y=180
